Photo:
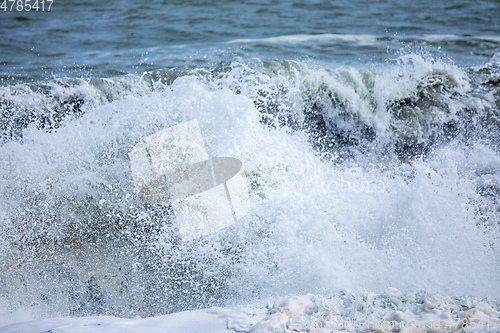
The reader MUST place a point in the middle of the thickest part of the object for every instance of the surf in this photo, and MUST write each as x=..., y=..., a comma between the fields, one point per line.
x=360, y=178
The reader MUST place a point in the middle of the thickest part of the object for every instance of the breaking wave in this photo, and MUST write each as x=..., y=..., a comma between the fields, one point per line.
x=360, y=178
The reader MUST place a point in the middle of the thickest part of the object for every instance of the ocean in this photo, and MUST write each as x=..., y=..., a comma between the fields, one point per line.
x=369, y=134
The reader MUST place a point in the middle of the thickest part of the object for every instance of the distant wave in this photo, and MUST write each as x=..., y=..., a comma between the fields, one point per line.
x=296, y=39
x=362, y=39
x=437, y=38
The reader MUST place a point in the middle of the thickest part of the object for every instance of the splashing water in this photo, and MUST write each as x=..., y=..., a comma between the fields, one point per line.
x=360, y=179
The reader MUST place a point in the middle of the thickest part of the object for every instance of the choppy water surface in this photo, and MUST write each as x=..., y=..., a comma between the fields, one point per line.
x=95, y=38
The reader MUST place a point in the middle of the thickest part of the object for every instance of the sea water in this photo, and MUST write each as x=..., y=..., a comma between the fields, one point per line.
x=369, y=135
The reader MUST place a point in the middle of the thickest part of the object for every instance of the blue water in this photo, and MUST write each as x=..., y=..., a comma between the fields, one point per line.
x=95, y=38
x=369, y=132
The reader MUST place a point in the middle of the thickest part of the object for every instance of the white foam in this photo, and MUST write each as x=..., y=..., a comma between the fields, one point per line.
x=297, y=39
x=366, y=224
x=346, y=312
x=361, y=39
x=449, y=37
x=438, y=38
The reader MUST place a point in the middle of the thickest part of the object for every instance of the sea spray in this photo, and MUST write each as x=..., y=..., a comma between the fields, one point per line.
x=359, y=179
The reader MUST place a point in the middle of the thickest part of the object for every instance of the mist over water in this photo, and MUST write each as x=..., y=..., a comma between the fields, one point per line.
x=372, y=159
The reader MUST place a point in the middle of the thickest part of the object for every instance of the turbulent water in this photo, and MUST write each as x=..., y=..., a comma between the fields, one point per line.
x=371, y=150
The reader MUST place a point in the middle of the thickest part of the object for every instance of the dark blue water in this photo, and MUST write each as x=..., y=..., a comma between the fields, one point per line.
x=95, y=38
